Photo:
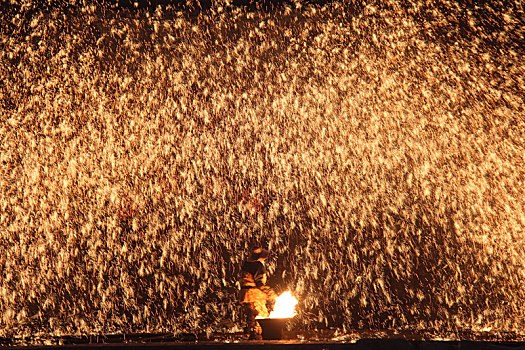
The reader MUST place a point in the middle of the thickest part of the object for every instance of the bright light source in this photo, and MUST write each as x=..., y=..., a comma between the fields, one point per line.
x=284, y=306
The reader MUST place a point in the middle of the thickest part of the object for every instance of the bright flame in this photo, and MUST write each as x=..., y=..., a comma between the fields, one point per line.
x=284, y=306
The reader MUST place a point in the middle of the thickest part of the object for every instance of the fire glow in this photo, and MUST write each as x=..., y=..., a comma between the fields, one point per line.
x=284, y=306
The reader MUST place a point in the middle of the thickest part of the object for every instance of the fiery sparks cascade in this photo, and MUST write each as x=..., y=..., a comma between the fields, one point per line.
x=377, y=149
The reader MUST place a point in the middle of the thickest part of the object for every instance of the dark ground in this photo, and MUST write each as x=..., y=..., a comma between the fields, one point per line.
x=289, y=345
x=363, y=339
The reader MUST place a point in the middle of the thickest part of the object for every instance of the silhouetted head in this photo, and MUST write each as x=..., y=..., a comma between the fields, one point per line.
x=258, y=253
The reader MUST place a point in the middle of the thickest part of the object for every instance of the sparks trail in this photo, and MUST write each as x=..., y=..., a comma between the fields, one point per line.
x=377, y=149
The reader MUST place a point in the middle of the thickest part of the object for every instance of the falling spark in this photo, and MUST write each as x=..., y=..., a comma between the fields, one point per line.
x=378, y=150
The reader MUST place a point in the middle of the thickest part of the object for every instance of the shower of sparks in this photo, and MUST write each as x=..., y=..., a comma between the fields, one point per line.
x=377, y=149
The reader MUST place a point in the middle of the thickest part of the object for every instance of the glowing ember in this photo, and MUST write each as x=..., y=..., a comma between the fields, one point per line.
x=284, y=306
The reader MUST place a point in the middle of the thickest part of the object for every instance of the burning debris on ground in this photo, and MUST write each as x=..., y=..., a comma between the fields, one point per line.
x=377, y=150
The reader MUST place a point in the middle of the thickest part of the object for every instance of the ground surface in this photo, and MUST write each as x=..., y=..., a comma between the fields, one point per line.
x=325, y=339
x=283, y=344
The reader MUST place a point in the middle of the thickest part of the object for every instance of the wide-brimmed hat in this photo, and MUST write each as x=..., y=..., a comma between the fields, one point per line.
x=258, y=253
